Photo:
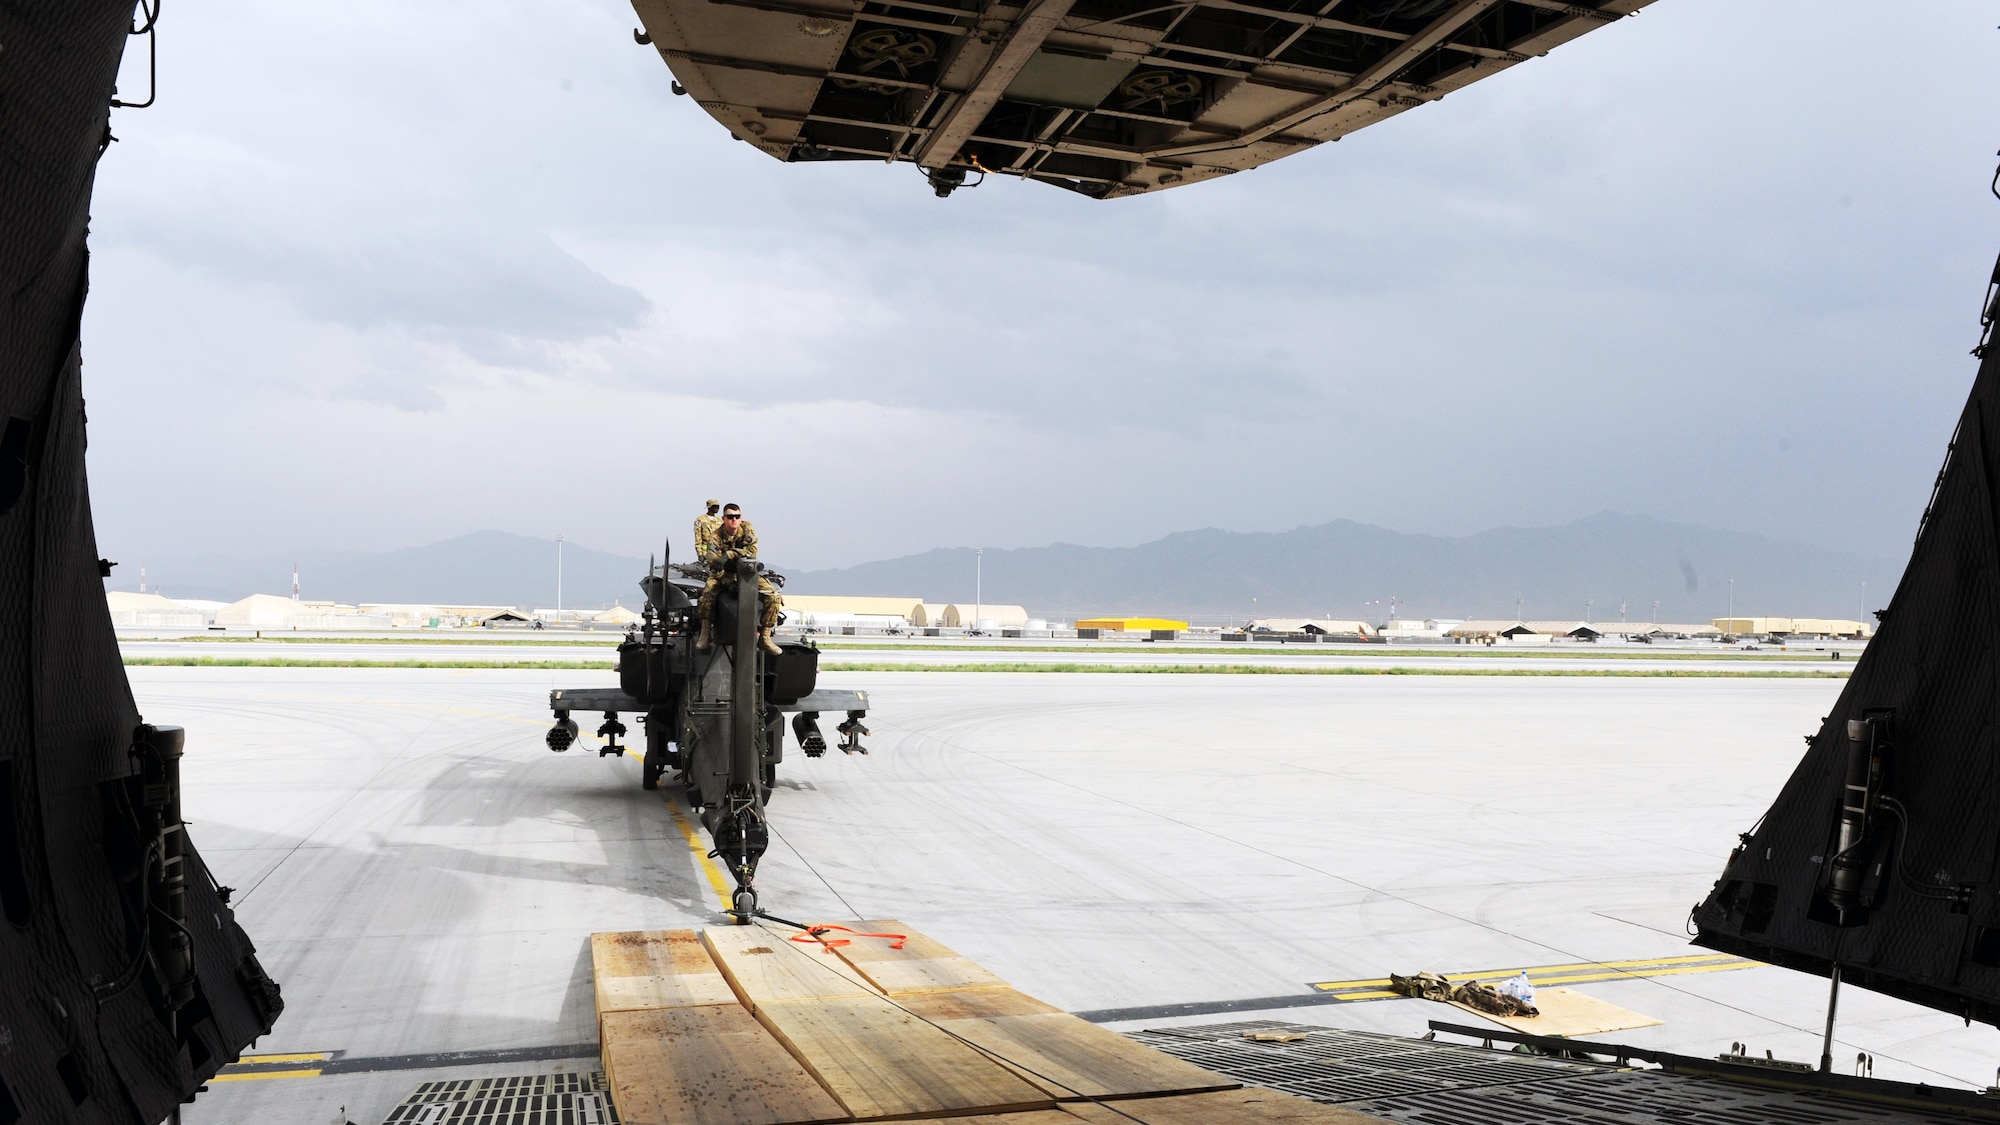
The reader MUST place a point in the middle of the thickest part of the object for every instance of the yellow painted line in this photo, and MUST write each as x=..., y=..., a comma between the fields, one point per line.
x=257, y=1075
x=1336, y=985
x=708, y=867
x=1580, y=973
x=306, y=1056
x=1684, y=969
x=1643, y=971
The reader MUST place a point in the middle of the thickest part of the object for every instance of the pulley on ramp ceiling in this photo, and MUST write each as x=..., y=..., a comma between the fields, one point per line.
x=1103, y=97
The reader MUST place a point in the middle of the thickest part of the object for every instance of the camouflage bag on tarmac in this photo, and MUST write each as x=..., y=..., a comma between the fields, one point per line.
x=1489, y=999
x=1424, y=986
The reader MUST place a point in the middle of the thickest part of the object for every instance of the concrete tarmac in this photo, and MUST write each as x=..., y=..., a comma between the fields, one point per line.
x=421, y=874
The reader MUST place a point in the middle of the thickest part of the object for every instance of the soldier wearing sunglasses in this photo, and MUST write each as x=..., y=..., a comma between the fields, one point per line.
x=735, y=539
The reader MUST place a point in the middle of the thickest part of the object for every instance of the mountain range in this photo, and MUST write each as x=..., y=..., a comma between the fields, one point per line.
x=1603, y=565
x=1345, y=569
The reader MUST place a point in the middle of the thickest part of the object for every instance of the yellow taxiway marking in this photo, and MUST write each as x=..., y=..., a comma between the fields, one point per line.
x=257, y=1075
x=1584, y=972
x=693, y=837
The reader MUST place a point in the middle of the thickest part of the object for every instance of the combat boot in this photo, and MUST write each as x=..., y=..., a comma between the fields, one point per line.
x=765, y=642
x=707, y=639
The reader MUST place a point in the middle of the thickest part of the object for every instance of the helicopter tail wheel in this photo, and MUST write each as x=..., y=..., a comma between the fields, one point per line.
x=744, y=905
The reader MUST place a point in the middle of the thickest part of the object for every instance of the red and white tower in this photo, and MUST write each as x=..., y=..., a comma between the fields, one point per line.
x=295, y=582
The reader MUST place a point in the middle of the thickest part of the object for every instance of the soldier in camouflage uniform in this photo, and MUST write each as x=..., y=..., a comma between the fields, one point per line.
x=704, y=529
x=735, y=539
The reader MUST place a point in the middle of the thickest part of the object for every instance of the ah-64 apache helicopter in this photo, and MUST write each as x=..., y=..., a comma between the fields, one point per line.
x=716, y=718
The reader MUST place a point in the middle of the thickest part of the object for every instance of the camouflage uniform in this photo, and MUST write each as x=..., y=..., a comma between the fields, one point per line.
x=705, y=527
x=725, y=549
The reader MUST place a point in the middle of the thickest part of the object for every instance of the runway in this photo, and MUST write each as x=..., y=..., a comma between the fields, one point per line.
x=421, y=874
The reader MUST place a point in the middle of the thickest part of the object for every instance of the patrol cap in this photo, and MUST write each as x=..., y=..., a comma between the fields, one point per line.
x=713, y=504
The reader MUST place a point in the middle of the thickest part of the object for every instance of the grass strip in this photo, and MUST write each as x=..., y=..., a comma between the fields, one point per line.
x=1379, y=652
x=286, y=662
x=1374, y=652
x=885, y=666
x=1273, y=670
x=606, y=640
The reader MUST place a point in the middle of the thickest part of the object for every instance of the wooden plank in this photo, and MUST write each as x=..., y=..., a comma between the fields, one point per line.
x=921, y=965
x=975, y=1004
x=1248, y=1106
x=655, y=969
x=1069, y=1058
x=765, y=967
x=712, y=1065
x=1566, y=1011
x=881, y=1061
x=1023, y=1117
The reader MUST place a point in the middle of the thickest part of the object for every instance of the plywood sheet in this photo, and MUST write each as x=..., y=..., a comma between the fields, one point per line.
x=921, y=965
x=712, y=1065
x=1569, y=1012
x=655, y=969
x=1248, y=1106
x=881, y=1061
x=764, y=967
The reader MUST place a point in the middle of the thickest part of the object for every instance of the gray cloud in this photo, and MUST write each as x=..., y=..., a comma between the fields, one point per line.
x=1608, y=278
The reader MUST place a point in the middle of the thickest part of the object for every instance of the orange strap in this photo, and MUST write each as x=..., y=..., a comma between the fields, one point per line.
x=813, y=934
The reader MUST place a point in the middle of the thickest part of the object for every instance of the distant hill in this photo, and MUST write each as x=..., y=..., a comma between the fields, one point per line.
x=1334, y=569
x=483, y=568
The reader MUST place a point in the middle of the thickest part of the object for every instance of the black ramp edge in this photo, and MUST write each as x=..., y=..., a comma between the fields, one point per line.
x=87, y=1033
x=1929, y=929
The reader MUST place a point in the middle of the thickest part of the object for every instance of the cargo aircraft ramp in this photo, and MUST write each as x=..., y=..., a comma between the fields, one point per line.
x=1104, y=97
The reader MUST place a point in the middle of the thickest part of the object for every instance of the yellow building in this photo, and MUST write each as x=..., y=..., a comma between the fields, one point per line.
x=1130, y=624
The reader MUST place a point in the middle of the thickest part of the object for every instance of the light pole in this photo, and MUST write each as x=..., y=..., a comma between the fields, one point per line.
x=559, y=554
x=1587, y=603
x=978, y=584
x=1732, y=605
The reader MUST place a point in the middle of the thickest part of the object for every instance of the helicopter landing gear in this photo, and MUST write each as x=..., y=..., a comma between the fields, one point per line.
x=851, y=732
x=741, y=836
x=609, y=732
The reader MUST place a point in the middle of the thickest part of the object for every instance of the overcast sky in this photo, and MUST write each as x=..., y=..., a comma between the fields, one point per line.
x=374, y=274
